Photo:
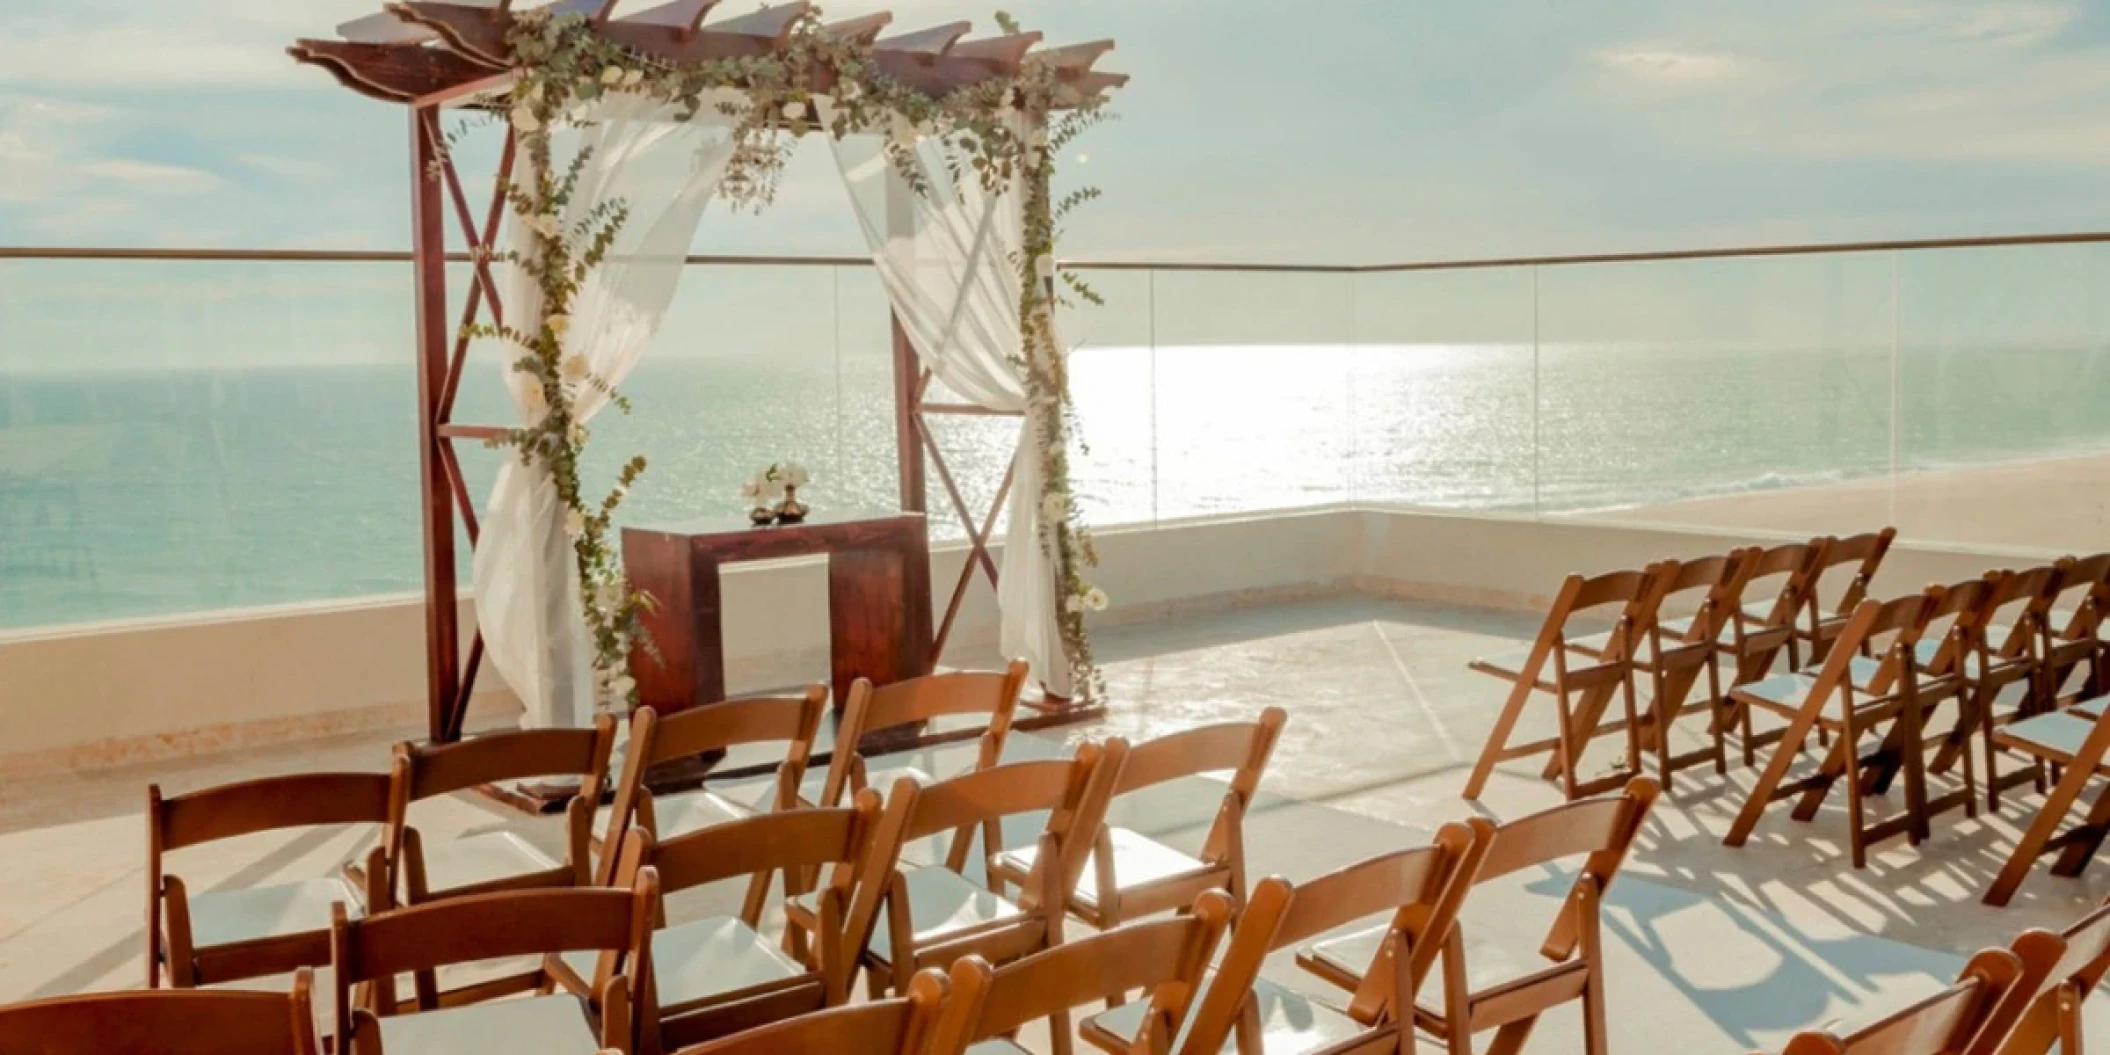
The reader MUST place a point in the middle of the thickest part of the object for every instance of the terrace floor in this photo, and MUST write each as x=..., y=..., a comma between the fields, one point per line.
x=1720, y=950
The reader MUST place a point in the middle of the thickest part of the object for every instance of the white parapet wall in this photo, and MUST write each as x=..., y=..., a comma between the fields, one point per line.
x=100, y=695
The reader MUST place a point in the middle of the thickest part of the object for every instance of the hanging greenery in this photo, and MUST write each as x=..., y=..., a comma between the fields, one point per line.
x=996, y=131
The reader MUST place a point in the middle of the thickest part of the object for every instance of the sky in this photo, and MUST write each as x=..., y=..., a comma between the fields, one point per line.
x=1357, y=131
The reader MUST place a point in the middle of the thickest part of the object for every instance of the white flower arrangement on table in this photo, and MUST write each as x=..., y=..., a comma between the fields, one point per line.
x=772, y=493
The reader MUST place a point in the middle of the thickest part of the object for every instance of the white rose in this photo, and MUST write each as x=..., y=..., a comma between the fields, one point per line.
x=1039, y=138
x=533, y=400
x=612, y=75
x=577, y=434
x=1095, y=600
x=558, y=324
x=525, y=120
x=622, y=685
x=574, y=523
x=751, y=491
x=1055, y=506
x=634, y=78
x=795, y=474
x=534, y=93
x=1044, y=266
x=795, y=110
x=1074, y=605
x=573, y=368
x=847, y=90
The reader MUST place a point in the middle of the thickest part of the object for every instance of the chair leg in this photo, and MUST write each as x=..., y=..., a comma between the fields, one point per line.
x=2034, y=838
x=2090, y=839
x=1593, y=1014
x=1784, y=755
x=1498, y=738
x=1510, y=1038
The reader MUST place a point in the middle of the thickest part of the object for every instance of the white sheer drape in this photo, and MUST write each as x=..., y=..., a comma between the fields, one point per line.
x=947, y=259
x=526, y=578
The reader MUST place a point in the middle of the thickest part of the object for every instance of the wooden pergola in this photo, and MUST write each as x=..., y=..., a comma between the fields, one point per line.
x=431, y=56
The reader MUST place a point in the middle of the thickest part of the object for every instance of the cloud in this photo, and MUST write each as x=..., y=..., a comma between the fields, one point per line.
x=147, y=177
x=112, y=44
x=1672, y=66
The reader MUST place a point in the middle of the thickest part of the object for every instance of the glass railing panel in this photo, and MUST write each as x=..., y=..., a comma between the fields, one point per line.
x=2004, y=396
x=1114, y=469
x=1746, y=394
x=182, y=436
x=1442, y=389
x=1252, y=390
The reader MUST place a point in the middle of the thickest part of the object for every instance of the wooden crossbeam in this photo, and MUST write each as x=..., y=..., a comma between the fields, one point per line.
x=1077, y=57
x=934, y=41
x=862, y=30
x=389, y=72
x=1006, y=50
x=773, y=24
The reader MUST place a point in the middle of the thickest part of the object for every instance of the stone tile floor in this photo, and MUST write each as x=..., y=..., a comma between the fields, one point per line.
x=1385, y=720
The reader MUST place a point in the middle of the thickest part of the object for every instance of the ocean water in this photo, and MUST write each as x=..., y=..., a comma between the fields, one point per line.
x=130, y=493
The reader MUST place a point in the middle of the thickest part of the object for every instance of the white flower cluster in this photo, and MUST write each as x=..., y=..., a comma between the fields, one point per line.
x=1092, y=599
x=768, y=484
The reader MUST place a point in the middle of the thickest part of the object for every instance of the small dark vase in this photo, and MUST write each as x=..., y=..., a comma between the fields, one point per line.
x=791, y=510
x=762, y=516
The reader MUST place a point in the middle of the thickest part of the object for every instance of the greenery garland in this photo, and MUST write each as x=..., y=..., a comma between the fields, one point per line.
x=999, y=128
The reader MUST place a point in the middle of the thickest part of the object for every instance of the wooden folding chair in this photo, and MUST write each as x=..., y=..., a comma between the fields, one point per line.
x=793, y=721
x=934, y=914
x=876, y=716
x=1582, y=671
x=1167, y=957
x=189, y=1022
x=1417, y=890
x=1132, y=875
x=1951, y=1022
x=2079, y=956
x=883, y=1027
x=1685, y=649
x=2074, y=622
x=716, y=976
x=1473, y=1002
x=498, y=860
x=224, y=935
x=1864, y=554
x=2005, y=681
x=370, y=953
x=1869, y=696
x=2074, y=744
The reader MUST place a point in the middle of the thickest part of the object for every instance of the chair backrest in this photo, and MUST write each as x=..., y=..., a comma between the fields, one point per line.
x=1167, y=957
x=1635, y=592
x=1420, y=889
x=2024, y=608
x=2084, y=591
x=1901, y=620
x=1793, y=564
x=165, y=1022
x=1604, y=828
x=1243, y=748
x=1946, y=1023
x=375, y=949
x=269, y=804
x=430, y=769
x=1722, y=577
x=883, y=1027
x=2078, y=957
x=657, y=738
x=1864, y=553
x=873, y=709
x=1074, y=793
x=1967, y=610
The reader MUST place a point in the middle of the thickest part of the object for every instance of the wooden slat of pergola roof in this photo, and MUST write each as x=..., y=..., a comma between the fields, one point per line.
x=439, y=50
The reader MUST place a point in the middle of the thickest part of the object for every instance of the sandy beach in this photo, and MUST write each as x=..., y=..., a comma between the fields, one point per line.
x=2054, y=505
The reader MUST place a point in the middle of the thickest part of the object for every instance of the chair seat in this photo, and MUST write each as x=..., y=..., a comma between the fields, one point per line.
x=710, y=957
x=1139, y=861
x=942, y=903
x=230, y=916
x=2088, y=708
x=542, y=1025
x=688, y=811
x=1290, y=1022
x=1487, y=963
x=1781, y=691
x=2057, y=735
x=479, y=859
